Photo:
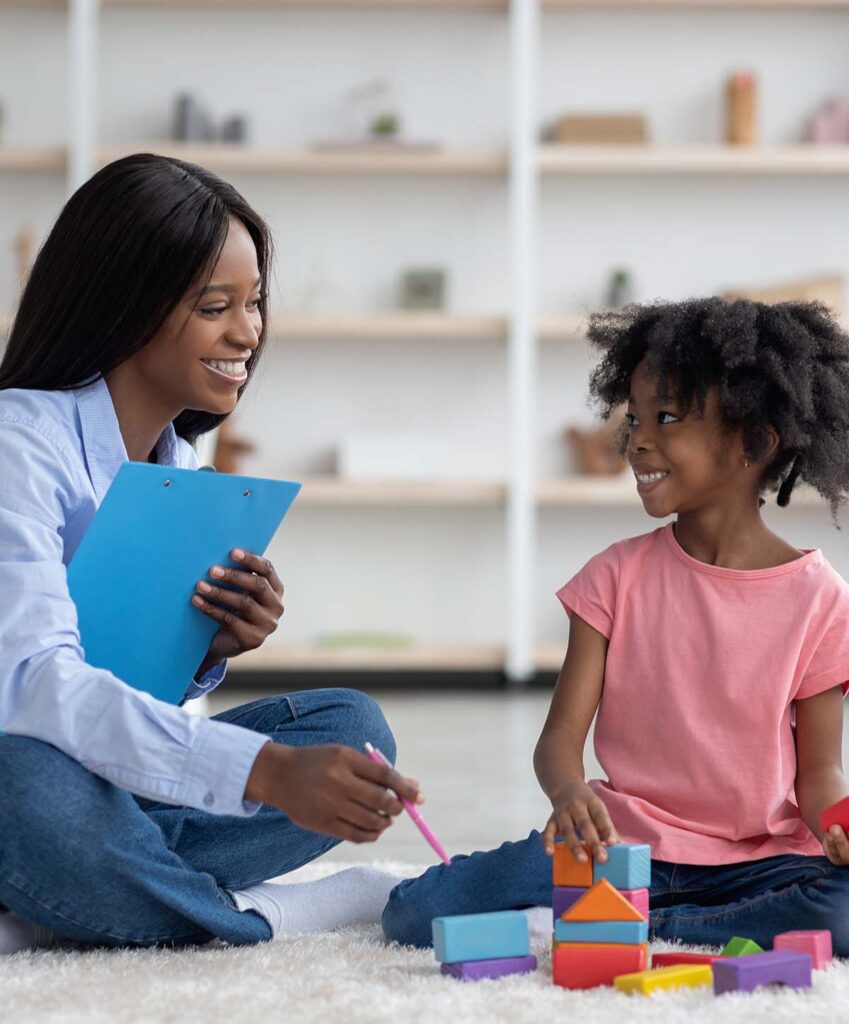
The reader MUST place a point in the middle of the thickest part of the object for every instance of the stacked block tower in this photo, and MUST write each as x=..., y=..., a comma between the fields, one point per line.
x=600, y=915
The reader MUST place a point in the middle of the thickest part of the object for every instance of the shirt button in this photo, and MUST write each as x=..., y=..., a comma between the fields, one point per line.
x=209, y=800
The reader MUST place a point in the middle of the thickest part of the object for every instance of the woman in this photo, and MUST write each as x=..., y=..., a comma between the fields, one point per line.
x=123, y=820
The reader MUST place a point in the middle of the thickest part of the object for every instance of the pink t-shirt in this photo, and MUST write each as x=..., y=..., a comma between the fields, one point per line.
x=695, y=725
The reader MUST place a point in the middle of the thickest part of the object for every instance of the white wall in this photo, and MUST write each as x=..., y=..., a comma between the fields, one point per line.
x=439, y=574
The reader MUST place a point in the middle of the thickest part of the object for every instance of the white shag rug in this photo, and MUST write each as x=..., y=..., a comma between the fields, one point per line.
x=352, y=976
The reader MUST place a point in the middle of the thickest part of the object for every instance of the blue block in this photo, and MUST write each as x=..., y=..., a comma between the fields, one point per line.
x=628, y=866
x=480, y=936
x=630, y=933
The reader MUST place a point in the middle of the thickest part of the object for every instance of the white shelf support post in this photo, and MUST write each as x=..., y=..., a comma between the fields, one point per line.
x=82, y=77
x=521, y=346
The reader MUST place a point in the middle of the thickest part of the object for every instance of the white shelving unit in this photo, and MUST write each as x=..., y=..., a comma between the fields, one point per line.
x=517, y=328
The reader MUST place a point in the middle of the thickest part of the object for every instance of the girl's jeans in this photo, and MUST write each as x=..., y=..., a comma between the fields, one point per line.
x=688, y=903
x=97, y=865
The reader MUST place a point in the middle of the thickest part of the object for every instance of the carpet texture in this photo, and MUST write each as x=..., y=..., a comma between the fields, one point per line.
x=352, y=976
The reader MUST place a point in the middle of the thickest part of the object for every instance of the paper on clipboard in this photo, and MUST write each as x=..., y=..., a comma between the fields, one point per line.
x=157, y=532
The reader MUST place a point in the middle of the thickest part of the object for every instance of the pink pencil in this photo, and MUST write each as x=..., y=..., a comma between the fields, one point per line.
x=411, y=809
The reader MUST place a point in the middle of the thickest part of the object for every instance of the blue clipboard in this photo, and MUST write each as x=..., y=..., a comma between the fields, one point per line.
x=157, y=532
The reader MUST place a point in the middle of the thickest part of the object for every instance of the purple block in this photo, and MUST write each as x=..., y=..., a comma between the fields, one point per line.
x=476, y=970
x=746, y=973
x=563, y=896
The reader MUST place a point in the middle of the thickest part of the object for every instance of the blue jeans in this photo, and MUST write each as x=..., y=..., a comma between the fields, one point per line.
x=98, y=865
x=688, y=903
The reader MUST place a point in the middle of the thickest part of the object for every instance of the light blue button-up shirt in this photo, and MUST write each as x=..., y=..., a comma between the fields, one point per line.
x=59, y=452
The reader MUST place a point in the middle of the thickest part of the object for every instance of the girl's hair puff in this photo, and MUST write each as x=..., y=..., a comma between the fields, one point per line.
x=784, y=366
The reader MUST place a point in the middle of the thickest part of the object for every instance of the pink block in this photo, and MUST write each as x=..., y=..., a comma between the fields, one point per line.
x=639, y=898
x=817, y=944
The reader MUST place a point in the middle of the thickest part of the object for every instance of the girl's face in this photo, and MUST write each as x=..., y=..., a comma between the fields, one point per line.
x=197, y=358
x=683, y=461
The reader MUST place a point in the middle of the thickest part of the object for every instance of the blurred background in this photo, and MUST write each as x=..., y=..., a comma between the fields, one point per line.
x=452, y=185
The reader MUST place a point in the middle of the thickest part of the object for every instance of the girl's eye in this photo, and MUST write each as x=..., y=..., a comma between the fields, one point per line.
x=672, y=418
x=630, y=419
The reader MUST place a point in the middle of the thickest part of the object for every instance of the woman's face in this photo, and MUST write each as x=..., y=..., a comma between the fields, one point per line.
x=196, y=360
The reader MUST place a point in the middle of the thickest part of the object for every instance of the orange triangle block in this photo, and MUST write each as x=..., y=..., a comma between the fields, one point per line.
x=602, y=903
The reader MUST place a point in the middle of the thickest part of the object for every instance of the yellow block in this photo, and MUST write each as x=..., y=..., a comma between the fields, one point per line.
x=679, y=976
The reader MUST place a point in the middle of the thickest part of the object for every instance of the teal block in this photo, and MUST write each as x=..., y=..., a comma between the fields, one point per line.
x=480, y=936
x=628, y=866
x=630, y=933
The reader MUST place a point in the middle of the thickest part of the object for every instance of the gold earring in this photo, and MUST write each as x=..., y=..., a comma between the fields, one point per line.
x=748, y=464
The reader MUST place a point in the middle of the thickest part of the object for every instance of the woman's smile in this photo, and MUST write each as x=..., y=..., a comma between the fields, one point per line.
x=232, y=370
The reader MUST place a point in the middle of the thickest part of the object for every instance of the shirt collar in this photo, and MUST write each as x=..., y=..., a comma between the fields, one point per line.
x=103, y=446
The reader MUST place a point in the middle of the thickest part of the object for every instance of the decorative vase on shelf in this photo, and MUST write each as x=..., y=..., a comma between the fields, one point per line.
x=741, y=109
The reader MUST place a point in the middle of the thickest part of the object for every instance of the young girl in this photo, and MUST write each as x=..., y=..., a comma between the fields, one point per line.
x=123, y=820
x=715, y=653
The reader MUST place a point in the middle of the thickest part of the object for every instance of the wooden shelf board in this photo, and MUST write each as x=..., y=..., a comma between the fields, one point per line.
x=247, y=159
x=803, y=160
x=33, y=159
x=304, y=657
x=621, y=491
x=335, y=491
x=696, y=5
x=392, y=326
x=548, y=657
x=399, y=5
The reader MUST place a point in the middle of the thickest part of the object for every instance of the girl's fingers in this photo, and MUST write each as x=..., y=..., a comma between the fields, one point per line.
x=603, y=824
x=839, y=843
x=549, y=834
x=591, y=837
x=570, y=838
x=261, y=566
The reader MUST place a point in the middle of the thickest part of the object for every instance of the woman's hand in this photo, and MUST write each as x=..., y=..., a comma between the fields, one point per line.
x=248, y=614
x=331, y=789
x=835, y=845
x=575, y=808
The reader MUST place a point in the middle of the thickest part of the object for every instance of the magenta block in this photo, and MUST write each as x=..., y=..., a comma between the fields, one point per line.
x=639, y=898
x=746, y=973
x=562, y=897
x=817, y=944
x=477, y=970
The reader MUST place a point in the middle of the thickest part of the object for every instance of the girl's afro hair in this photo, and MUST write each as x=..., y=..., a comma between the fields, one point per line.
x=784, y=366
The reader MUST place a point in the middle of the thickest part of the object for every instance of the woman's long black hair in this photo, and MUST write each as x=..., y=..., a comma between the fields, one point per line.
x=125, y=249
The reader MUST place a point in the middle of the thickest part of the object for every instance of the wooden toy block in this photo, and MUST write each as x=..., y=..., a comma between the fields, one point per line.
x=626, y=933
x=837, y=814
x=680, y=976
x=585, y=965
x=480, y=936
x=563, y=896
x=678, y=959
x=740, y=947
x=746, y=973
x=628, y=866
x=817, y=944
x=602, y=903
x=568, y=872
x=476, y=970
x=640, y=899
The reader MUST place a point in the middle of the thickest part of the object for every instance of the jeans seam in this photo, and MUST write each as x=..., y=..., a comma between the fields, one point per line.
x=249, y=709
x=743, y=908
x=27, y=894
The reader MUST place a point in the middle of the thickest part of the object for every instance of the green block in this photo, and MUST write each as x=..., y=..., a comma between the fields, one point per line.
x=740, y=947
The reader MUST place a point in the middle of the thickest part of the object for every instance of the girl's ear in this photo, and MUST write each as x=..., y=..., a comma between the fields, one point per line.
x=773, y=444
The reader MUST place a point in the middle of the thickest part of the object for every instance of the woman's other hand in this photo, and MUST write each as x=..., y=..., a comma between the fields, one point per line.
x=248, y=613
x=331, y=789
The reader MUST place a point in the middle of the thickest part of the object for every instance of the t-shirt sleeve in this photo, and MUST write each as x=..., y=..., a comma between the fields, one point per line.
x=592, y=592
x=829, y=663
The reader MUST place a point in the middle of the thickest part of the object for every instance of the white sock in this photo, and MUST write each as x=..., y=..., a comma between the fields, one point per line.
x=357, y=895
x=16, y=933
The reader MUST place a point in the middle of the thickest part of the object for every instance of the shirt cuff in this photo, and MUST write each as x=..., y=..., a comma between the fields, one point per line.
x=205, y=683
x=217, y=769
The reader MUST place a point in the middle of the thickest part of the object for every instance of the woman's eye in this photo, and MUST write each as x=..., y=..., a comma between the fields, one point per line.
x=255, y=304
x=215, y=309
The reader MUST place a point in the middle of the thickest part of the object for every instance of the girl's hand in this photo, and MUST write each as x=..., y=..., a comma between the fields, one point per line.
x=577, y=807
x=248, y=614
x=835, y=845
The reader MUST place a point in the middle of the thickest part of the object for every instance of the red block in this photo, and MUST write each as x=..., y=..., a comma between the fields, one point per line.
x=587, y=964
x=837, y=814
x=674, y=959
